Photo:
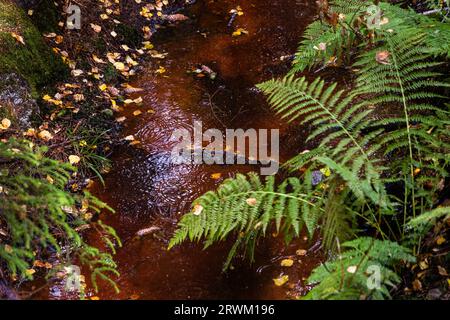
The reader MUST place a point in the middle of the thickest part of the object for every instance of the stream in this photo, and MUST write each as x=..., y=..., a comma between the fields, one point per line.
x=147, y=190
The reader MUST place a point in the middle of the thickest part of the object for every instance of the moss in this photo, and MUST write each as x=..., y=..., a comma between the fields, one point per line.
x=111, y=74
x=34, y=61
x=129, y=35
x=45, y=17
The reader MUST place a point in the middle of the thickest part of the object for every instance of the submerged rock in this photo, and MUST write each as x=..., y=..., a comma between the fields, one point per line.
x=15, y=98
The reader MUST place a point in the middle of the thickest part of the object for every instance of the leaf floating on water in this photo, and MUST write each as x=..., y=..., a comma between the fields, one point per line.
x=135, y=296
x=147, y=231
x=216, y=176
x=175, y=17
x=161, y=70
x=281, y=280
x=238, y=10
x=239, y=32
x=131, y=89
x=287, y=263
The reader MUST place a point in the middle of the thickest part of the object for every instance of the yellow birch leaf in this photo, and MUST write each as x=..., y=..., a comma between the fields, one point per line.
x=74, y=159
x=281, y=280
x=287, y=263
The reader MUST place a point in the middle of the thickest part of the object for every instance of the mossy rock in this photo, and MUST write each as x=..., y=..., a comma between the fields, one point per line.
x=34, y=60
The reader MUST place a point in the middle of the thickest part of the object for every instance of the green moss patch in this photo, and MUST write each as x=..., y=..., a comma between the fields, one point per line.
x=34, y=60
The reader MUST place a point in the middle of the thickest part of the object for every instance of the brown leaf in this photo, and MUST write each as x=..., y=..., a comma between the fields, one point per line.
x=382, y=57
x=96, y=27
x=175, y=17
x=442, y=271
x=251, y=201
x=417, y=285
x=19, y=38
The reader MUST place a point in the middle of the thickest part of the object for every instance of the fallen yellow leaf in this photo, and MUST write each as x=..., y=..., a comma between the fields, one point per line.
x=119, y=66
x=287, y=263
x=239, y=32
x=5, y=124
x=197, y=210
x=45, y=135
x=440, y=240
x=161, y=70
x=216, y=176
x=19, y=38
x=281, y=280
x=74, y=159
x=30, y=272
x=76, y=72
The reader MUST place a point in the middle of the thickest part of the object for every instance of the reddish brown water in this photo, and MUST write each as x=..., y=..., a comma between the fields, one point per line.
x=147, y=190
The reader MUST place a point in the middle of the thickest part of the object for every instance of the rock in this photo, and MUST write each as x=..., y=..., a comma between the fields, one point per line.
x=30, y=57
x=15, y=95
x=434, y=294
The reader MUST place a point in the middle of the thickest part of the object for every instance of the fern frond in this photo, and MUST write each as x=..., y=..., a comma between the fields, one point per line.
x=330, y=111
x=363, y=270
x=244, y=206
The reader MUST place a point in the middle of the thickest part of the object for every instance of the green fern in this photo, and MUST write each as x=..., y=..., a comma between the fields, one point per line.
x=326, y=43
x=404, y=142
x=340, y=125
x=364, y=270
x=245, y=206
x=39, y=214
